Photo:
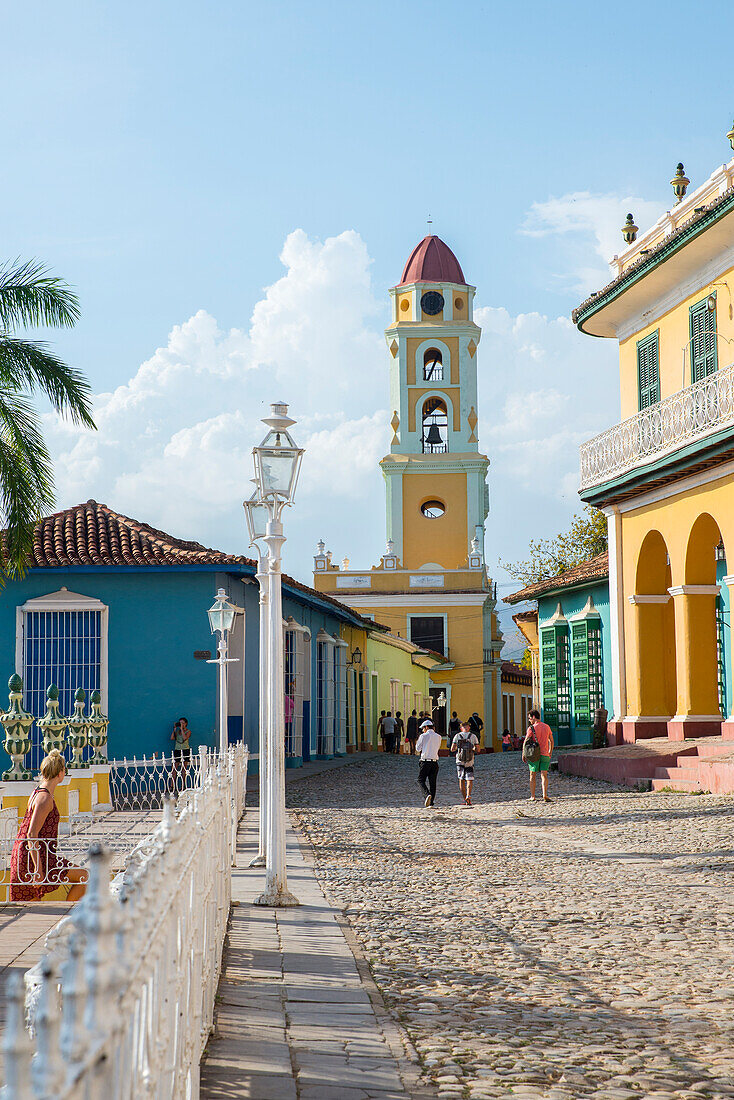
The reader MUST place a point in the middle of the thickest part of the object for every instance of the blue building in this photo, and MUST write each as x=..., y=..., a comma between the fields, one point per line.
x=568, y=634
x=114, y=604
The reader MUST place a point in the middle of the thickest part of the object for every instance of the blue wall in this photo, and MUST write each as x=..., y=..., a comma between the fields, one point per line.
x=573, y=600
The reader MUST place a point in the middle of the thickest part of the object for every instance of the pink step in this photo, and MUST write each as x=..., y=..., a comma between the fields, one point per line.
x=677, y=785
x=715, y=747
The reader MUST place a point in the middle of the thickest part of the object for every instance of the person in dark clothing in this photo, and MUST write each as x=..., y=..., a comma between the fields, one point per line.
x=399, y=730
x=477, y=725
x=454, y=727
x=388, y=729
x=411, y=733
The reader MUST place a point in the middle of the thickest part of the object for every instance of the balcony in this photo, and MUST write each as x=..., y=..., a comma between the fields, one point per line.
x=686, y=417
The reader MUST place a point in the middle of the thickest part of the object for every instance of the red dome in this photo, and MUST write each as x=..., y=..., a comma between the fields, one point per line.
x=432, y=261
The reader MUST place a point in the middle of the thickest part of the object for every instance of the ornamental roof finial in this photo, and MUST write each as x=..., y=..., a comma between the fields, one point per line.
x=629, y=230
x=679, y=182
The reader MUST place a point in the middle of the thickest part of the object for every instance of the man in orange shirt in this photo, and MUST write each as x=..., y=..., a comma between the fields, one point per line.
x=543, y=734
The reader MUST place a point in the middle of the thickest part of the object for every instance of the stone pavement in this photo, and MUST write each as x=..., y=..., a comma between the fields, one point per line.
x=298, y=1017
x=563, y=951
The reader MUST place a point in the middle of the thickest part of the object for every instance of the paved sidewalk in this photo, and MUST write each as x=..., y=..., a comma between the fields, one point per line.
x=294, y=1020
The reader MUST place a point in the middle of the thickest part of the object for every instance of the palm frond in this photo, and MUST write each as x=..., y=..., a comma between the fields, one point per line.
x=29, y=365
x=30, y=296
x=26, y=480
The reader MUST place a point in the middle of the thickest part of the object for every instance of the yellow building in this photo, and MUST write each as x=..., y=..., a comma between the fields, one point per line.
x=431, y=585
x=664, y=476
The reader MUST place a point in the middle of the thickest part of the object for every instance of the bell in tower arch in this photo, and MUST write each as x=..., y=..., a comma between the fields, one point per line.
x=434, y=435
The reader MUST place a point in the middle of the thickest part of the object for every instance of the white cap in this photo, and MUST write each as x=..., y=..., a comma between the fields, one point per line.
x=428, y=724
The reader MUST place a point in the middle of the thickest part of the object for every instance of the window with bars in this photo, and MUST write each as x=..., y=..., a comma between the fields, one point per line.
x=648, y=371
x=294, y=690
x=555, y=659
x=588, y=671
x=62, y=648
x=703, y=340
x=721, y=655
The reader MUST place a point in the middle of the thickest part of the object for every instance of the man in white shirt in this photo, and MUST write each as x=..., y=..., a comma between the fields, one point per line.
x=428, y=745
x=463, y=745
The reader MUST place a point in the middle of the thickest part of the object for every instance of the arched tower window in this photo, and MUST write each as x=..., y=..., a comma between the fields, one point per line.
x=435, y=427
x=432, y=365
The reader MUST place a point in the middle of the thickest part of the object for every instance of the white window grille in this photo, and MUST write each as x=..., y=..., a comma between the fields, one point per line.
x=340, y=697
x=61, y=639
x=352, y=722
x=331, y=695
x=394, y=695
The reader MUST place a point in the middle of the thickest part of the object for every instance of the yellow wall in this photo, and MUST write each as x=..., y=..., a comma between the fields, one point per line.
x=442, y=540
x=391, y=662
x=674, y=334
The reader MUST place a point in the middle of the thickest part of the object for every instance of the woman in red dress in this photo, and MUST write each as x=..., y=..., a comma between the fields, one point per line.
x=35, y=867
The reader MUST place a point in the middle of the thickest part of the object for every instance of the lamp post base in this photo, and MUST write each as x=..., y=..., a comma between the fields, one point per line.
x=279, y=899
x=258, y=861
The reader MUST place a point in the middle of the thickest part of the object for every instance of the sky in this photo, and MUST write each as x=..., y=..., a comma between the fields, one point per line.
x=232, y=188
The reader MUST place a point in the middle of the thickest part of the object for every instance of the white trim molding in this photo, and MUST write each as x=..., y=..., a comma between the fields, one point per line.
x=616, y=611
x=422, y=599
x=695, y=590
x=643, y=598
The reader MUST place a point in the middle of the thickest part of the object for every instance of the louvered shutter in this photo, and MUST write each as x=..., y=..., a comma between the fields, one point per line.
x=703, y=341
x=648, y=372
x=550, y=686
x=580, y=662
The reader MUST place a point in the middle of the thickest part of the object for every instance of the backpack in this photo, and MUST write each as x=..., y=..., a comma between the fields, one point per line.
x=466, y=751
x=531, y=751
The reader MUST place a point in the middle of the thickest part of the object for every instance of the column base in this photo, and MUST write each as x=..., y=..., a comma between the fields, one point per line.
x=638, y=727
x=614, y=732
x=682, y=726
x=278, y=899
x=258, y=861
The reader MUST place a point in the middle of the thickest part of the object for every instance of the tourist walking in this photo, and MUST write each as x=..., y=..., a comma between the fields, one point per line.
x=542, y=734
x=454, y=727
x=506, y=741
x=35, y=867
x=388, y=729
x=428, y=745
x=476, y=725
x=381, y=729
x=411, y=732
x=399, y=730
x=463, y=746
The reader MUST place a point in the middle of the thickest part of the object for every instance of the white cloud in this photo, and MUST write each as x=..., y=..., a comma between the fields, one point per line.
x=174, y=442
x=582, y=218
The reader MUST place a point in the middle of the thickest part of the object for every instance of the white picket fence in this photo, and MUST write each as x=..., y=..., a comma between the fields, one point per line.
x=120, y=1007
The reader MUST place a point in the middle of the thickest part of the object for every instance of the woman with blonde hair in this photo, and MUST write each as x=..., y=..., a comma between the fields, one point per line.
x=35, y=866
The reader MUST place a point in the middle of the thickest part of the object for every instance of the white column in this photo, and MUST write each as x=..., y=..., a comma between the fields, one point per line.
x=616, y=612
x=263, y=578
x=276, y=891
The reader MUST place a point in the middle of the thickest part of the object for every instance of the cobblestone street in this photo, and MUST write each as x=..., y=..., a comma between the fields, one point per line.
x=581, y=948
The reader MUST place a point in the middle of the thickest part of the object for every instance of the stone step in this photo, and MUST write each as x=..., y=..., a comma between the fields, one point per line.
x=714, y=747
x=673, y=784
x=684, y=771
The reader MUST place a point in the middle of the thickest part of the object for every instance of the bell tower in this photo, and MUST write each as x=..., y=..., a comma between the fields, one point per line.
x=437, y=498
x=431, y=584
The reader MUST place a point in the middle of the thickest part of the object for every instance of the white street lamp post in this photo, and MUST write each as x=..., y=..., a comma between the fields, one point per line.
x=221, y=617
x=277, y=465
x=257, y=515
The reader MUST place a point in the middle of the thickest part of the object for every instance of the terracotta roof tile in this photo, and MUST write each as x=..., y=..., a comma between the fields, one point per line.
x=594, y=569
x=512, y=671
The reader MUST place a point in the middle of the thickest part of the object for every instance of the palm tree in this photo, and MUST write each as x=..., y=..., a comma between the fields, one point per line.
x=29, y=298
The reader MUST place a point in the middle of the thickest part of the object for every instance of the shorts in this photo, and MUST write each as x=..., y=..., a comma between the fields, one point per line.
x=541, y=765
x=185, y=753
x=465, y=771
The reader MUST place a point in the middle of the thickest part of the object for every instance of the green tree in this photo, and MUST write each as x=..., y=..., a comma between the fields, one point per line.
x=586, y=537
x=30, y=298
x=526, y=661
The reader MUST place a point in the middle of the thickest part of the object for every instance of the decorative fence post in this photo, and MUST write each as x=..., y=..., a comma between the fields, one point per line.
x=98, y=723
x=78, y=730
x=53, y=724
x=17, y=725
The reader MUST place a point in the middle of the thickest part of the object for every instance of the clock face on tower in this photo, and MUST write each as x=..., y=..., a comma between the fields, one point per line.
x=432, y=302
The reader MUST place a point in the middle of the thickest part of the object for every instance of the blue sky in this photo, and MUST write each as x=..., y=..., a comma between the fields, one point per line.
x=161, y=155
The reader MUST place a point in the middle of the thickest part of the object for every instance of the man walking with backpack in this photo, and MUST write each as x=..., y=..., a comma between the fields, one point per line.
x=537, y=750
x=463, y=745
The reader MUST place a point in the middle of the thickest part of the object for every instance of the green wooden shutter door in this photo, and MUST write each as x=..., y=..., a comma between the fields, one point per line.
x=703, y=341
x=550, y=685
x=580, y=661
x=648, y=372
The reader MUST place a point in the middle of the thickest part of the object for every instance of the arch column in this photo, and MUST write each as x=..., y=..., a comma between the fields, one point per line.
x=650, y=693
x=697, y=707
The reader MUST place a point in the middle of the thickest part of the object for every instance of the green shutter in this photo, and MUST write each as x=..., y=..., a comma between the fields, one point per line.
x=648, y=371
x=563, y=676
x=703, y=341
x=550, y=687
x=580, y=659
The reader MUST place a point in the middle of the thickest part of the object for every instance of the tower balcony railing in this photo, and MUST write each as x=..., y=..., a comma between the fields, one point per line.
x=703, y=409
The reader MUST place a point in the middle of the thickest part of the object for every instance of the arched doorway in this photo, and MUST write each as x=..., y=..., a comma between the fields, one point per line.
x=700, y=644
x=652, y=680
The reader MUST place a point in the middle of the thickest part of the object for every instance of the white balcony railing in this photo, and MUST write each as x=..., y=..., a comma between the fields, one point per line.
x=702, y=409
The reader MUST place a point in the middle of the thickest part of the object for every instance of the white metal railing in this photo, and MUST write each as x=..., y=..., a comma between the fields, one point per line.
x=122, y=1002
x=702, y=409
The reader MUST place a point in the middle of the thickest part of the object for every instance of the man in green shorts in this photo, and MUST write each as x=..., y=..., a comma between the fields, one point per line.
x=544, y=736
